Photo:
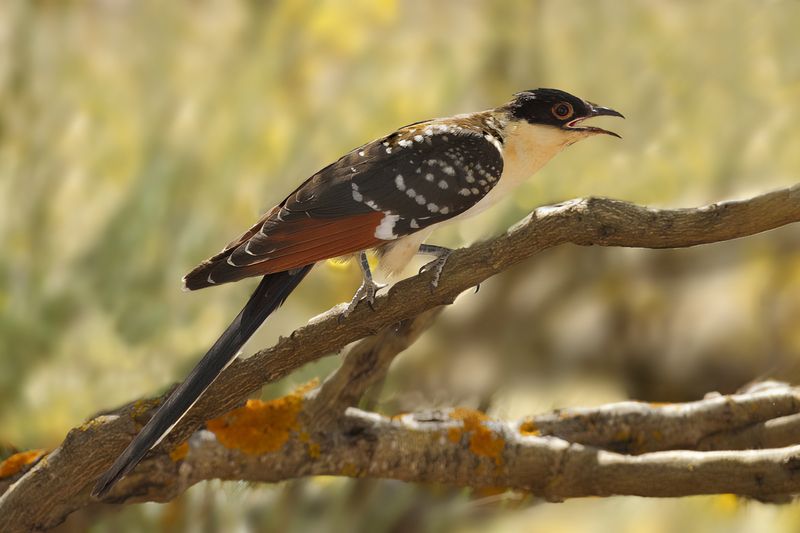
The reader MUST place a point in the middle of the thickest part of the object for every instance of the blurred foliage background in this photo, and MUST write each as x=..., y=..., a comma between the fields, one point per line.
x=137, y=137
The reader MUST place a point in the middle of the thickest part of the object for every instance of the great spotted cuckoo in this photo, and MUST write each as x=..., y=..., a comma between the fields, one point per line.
x=387, y=195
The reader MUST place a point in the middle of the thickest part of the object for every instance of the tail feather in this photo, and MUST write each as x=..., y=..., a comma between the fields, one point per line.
x=268, y=296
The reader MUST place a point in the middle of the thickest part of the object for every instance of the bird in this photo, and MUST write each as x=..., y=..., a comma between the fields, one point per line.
x=387, y=196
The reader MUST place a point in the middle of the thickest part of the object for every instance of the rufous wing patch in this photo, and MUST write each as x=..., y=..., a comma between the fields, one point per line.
x=288, y=245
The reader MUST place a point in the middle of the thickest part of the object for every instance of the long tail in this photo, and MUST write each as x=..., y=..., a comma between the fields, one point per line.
x=268, y=296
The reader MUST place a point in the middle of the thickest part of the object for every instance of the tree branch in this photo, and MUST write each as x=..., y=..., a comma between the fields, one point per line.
x=60, y=483
x=467, y=448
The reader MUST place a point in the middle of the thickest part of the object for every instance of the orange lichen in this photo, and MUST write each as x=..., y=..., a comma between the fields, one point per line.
x=18, y=461
x=483, y=440
x=261, y=427
x=454, y=434
x=179, y=453
x=529, y=428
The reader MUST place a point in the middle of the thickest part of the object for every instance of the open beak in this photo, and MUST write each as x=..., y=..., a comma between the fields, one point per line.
x=595, y=111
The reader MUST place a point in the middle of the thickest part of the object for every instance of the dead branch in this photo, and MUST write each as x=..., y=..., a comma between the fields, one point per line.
x=466, y=448
x=59, y=484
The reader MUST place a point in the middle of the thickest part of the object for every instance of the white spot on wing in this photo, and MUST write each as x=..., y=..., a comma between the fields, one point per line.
x=398, y=181
x=385, y=230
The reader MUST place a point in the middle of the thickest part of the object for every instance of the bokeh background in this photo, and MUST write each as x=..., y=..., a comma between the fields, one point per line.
x=137, y=137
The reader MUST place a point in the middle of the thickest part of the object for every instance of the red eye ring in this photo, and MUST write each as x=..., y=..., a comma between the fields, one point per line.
x=562, y=110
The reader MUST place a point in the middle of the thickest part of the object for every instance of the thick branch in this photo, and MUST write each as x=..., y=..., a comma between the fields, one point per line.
x=466, y=448
x=60, y=484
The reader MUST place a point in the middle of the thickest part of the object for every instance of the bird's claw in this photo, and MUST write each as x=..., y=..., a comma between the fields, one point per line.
x=436, y=266
x=366, y=292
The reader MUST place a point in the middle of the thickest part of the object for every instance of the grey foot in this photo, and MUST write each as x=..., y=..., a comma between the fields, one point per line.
x=366, y=292
x=436, y=267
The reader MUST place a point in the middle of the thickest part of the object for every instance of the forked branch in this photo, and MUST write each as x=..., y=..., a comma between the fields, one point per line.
x=469, y=449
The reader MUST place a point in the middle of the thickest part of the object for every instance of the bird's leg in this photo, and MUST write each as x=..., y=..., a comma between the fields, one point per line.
x=368, y=288
x=441, y=253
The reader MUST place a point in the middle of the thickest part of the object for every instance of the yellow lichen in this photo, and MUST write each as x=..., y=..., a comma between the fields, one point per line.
x=18, y=461
x=483, y=440
x=260, y=427
x=529, y=428
x=180, y=452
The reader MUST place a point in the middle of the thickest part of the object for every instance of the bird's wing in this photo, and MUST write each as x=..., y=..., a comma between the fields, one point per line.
x=418, y=176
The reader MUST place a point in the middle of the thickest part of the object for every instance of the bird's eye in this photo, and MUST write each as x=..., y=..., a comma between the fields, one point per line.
x=562, y=110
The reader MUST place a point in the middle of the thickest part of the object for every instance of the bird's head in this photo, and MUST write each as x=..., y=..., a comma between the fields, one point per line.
x=558, y=109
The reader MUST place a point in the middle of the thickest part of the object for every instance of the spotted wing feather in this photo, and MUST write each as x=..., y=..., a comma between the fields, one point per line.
x=414, y=178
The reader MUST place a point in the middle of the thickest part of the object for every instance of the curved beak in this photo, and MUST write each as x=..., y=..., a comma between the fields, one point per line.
x=595, y=111
x=600, y=111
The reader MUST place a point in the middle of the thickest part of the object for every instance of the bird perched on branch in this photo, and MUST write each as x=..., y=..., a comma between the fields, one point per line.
x=387, y=195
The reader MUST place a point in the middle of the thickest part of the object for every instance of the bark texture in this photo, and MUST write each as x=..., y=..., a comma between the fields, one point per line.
x=626, y=448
